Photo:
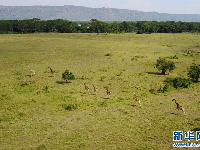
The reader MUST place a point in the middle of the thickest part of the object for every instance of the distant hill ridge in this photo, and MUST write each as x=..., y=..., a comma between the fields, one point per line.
x=81, y=13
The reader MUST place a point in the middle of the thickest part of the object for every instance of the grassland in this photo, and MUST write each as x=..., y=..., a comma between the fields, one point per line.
x=43, y=112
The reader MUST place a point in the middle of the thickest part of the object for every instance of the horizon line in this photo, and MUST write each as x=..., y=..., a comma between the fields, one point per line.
x=97, y=8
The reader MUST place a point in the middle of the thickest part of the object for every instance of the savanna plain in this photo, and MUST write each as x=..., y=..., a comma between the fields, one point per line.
x=44, y=112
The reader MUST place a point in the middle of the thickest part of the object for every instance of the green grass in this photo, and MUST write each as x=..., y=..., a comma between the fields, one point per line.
x=43, y=112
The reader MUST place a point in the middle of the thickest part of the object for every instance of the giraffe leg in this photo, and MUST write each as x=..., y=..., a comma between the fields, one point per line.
x=140, y=103
x=183, y=110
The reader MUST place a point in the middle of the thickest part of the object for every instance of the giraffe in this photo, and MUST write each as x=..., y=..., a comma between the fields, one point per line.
x=95, y=89
x=137, y=99
x=179, y=106
x=52, y=71
x=87, y=89
x=108, y=91
x=32, y=72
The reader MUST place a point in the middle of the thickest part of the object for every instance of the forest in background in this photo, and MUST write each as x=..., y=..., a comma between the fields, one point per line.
x=36, y=25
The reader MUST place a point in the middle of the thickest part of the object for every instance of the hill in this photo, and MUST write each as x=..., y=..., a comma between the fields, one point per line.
x=81, y=13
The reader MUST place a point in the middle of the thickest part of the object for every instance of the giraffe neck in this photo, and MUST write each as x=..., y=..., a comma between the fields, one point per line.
x=86, y=87
x=177, y=104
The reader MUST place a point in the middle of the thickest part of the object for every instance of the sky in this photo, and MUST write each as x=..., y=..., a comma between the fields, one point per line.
x=161, y=6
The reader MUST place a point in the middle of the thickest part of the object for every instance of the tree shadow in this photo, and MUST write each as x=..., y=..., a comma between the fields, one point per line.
x=196, y=129
x=173, y=113
x=93, y=94
x=51, y=76
x=157, y=73
x=62, y=82
x=196, y=82
x=105, y=97
x=133, y=105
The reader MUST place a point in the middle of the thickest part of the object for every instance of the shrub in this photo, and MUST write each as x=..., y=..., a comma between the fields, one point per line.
x=178, y=82
x=108, y=54
x=164, y=65
x=194, y=72
x=68, y=76
x=41, y=147
x=102, y=78
x=103, y=104
x=152, y=91
x=173, y=57
x=172, y=82
x=166, y=88
x=70, y=106
x=46, y=89
x=140, y=32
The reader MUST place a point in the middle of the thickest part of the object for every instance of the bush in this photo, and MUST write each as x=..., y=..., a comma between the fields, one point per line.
x=173, y=57
x=140, y=32
x=68, y=76
x=178, y=82
x=152, y=91
x=166, y=88
x=164, y=65
x=70, y=106
x=108, y=54
x=160, y=90
x=41, y=147
x=102, y=78
x=103, y=104
x=183, y=83
x=194, y=72
x=172, y=82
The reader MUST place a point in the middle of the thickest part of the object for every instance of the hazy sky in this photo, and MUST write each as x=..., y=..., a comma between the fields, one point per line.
x=163, y=6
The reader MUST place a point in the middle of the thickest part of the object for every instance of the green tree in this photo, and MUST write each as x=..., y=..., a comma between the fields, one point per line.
x=194, y=72
x=164, y=65
x=96, y=26
x=84, y=26
x=126, y=26
x=115, y=27
x=68, y=76
x=5, y=26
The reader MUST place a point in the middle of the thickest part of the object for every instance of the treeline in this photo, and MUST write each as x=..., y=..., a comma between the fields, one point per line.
x=95, y=26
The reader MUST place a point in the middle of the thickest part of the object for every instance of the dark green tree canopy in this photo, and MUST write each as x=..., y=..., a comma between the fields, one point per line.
x=163, y=65
x=96, y=26
x=68, y=75
x=194, y=72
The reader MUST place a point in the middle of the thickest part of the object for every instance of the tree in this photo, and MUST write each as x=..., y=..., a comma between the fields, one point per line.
x=164, y=65
x=84, y=27
x=5, y=27
x=115, y=27
x=194, y=72
x=96, y=26
x=68, y=76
